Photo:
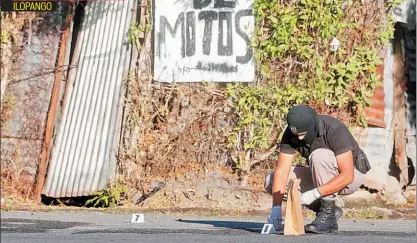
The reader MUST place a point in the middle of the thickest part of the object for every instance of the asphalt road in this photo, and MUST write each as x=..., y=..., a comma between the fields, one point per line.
x=65, y=227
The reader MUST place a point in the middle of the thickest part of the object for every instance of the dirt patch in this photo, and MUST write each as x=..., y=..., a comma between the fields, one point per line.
x=215, y=190
x=209, y=192
x=405, y=212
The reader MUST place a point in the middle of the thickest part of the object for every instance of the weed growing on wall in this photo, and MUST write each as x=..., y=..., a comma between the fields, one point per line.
x=109, y=196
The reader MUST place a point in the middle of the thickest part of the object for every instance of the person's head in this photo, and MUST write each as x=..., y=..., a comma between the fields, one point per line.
x=302, y=121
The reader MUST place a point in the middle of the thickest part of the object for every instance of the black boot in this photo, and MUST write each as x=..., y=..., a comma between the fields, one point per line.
x=315, y=207
x=325, y=221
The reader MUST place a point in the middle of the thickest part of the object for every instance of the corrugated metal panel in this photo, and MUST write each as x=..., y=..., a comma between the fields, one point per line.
x=82, y=154
x=375, y=113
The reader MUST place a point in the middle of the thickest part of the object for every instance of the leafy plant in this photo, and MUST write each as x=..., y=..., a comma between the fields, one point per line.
x=293, y=53
x=137, y=30
x=259, y=110
x=133, y=35
x=108, y=197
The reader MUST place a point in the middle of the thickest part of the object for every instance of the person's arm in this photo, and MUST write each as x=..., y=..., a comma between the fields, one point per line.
x=282, y=167
x=279, y=184
x=340, y=141
x=343, y=179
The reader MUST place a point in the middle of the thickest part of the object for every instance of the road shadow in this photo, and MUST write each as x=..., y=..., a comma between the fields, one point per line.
x=256, y=228
x=253, y=227
x=17, y=225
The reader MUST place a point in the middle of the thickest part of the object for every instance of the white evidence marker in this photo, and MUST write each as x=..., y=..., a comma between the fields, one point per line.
x=268, y=229
x=137, y=218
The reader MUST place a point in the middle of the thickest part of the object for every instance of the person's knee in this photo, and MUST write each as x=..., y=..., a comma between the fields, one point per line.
x=358, y=181
x=268, y=182
x=322, y=158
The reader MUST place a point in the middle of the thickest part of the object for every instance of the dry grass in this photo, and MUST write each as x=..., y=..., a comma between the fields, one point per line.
x=16, y=183
x=169, y=128
x=366, y=213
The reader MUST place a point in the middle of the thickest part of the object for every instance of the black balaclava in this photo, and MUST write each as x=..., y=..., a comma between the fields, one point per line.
x=302, y=118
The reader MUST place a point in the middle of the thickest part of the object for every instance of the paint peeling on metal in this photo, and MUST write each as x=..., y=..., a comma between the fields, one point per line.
x=82, y=157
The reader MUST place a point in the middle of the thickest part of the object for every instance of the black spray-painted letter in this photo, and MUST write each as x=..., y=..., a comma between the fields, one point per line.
x=208, y=17
x=199, y=4
x=224, y=4
x=165, y=25
x=228, y=49
x=190, y=47
x=249, y=51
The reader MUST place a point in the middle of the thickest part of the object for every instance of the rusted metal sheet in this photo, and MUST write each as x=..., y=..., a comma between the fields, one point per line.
x=50, y=123
x=375, y=113
x=83, y=157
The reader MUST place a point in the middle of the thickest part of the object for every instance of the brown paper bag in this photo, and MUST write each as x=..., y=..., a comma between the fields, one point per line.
x=294, y=220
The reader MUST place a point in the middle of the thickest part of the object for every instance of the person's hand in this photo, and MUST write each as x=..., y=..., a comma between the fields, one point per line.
x=310, y=196
x=275, y=218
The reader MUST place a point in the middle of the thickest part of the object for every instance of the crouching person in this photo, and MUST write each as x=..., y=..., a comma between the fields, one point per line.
x=336, y=165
